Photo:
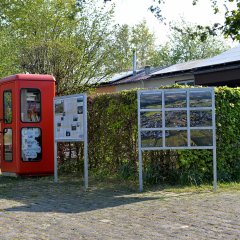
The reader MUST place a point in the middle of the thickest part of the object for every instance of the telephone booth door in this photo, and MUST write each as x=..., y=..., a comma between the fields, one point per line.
x=7, y=127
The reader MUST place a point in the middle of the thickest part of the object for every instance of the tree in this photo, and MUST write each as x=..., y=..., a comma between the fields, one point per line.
x=121, y=54
x=183, y=47
x=231, y=26
x=162, y=56
x=128, y=39
x=67, y=38
x=8, y=55
x=144, y=43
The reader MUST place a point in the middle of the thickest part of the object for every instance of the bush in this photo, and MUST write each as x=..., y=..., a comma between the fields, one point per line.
x=113, y=149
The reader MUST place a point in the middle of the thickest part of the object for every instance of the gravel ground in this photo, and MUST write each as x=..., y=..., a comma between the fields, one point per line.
x=40, y=209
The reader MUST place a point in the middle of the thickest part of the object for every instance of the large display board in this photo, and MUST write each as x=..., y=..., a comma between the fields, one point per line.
x=70, y=125
x=176, y=119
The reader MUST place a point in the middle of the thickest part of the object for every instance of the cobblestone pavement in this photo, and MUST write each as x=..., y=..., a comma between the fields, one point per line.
x=40, y=209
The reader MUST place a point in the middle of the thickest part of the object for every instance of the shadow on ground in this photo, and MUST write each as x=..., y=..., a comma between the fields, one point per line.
x=67, y=196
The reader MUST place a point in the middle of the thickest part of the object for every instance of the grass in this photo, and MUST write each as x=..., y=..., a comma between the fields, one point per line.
x=221, y=187
x=112, y=184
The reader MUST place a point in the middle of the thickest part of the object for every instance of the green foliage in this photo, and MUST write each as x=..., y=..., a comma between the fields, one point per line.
x=195, y=166
x=114, y=131
x=78, y=42
x=126, y=40
x=122, y=49
x=68, y=39
x=228, y=133
x=143, y=41
x=230, y=27
x=186, y=44
x=7, y=53
x=113, y=144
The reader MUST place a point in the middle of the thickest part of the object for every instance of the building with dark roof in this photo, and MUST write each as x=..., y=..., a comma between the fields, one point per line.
x=221, y=70
x=126, y=80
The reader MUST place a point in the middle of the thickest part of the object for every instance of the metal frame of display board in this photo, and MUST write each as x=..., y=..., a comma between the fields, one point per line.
x=84, y=138
x=162, y=129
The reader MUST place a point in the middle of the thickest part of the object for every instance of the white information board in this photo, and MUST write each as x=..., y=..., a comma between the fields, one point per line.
x=171, y=119
x=70, y=125
x=69, y=111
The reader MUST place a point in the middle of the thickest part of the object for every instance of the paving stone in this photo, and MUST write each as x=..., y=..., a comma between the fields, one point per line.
x=39, y=209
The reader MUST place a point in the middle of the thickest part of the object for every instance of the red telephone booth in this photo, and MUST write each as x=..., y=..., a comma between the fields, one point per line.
x=26, y=124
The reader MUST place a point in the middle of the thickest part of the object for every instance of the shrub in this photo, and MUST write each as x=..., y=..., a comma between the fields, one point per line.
x=113, y=149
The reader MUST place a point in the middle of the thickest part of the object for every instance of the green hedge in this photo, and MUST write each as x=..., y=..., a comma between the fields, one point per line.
x=113, y=145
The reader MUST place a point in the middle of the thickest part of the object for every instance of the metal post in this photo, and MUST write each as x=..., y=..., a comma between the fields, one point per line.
x=139, y=148
x=140, y=170
x=188, y=119
x=214, y=170
x=55, y=147
x=214, y=143
x=55, y=163
x=85, y=144
x=163, y=121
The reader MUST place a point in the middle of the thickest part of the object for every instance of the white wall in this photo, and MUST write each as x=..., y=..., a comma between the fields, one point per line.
x=154, y=83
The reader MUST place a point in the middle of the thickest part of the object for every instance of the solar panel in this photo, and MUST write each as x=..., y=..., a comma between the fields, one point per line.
x=179, y=67
x=229, y=56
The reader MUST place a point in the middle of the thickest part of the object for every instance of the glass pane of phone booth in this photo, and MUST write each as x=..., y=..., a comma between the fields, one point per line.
x=30, y=105
x=31, y=144
x=7, y=145
x=7, y=105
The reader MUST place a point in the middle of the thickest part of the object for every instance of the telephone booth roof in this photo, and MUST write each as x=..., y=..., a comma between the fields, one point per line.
x=28, y=77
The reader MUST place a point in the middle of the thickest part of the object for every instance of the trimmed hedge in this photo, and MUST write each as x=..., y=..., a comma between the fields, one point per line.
x=113, y=145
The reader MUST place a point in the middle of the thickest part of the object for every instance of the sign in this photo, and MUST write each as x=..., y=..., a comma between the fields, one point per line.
x=70, y=125
x=69, y=115
x=176, y=119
